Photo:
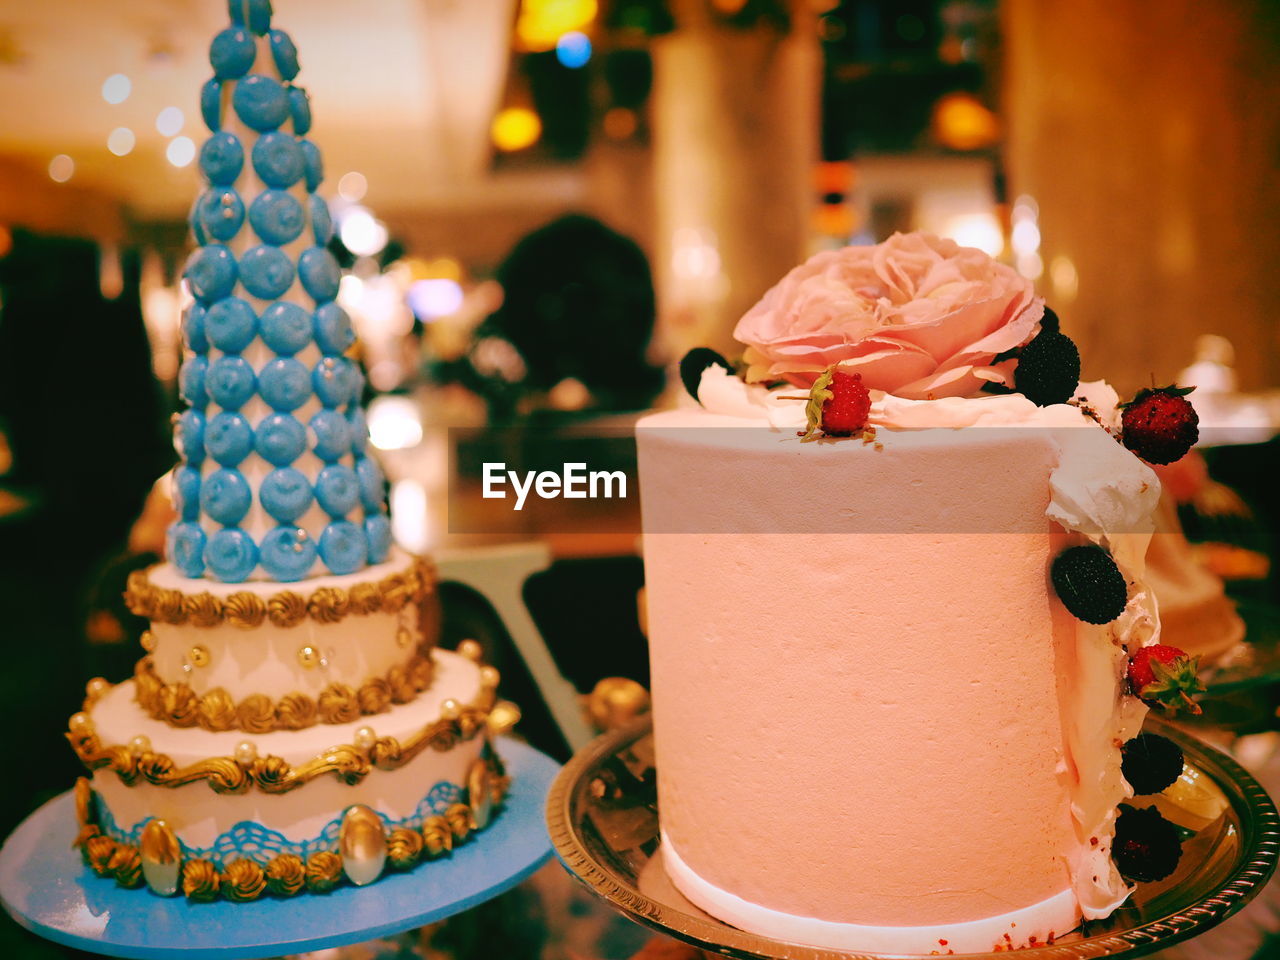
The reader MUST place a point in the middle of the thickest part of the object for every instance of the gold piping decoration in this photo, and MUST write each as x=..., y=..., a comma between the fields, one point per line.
x=245, y=609
x=284, y=875
x=347, y=762
x=179, y=706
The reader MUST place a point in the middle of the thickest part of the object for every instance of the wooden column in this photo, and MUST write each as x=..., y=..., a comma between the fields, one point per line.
x=735, y=134
x=1148, y=133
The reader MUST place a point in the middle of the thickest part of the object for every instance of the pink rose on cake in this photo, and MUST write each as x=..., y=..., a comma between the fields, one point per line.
x=917, y=316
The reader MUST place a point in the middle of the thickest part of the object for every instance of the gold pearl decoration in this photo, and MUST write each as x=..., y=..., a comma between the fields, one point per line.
x=503, y=717
x=246, y=753
x=161, y=856
x=404, y=637
x=198, y=656
x=615, y=702
x=365, y=738
x=96, y=687
x=140, y=745
x=148, y=641
x=489, y=677
x=80, y=723
x=451, y=709
x=479, y=793
x=309, y=656
x=363, y=845
x=471, y=649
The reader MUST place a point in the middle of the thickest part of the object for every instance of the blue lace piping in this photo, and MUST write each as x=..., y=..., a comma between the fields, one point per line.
x=256, y=842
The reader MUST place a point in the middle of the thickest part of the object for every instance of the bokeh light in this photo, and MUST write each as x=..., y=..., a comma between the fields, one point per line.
x=437, y=297
x=169, y=121
x=352, y=186
x=394, y=423
x=361, y=233
x=620, y=123
x=516, y=128
x=1066, y=282
x=961, y=122
x=61, y=168
x=116, y=88
x=410, y=517
x=181, y=151
x=573, y=49
x=120, y=141
x=543, y=22
x=980, y=230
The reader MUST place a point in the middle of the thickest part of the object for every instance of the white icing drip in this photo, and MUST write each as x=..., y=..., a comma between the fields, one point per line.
x=1097, y=488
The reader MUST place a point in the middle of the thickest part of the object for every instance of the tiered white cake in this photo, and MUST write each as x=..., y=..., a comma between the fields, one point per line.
x=292, y=726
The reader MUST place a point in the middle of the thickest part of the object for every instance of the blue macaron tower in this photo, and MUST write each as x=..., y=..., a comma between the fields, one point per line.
x=275, y=481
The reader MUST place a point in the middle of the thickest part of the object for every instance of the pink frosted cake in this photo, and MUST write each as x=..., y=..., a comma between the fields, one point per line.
x=884, y=721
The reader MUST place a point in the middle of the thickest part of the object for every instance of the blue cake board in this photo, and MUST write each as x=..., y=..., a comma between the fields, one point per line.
x=46, y=887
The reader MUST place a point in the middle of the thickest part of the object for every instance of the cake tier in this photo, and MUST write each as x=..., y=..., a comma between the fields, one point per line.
x=847, y=669
x=228, y=796
x=260, y=656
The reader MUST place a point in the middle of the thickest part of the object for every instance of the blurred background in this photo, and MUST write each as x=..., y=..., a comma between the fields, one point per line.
x=542, y=204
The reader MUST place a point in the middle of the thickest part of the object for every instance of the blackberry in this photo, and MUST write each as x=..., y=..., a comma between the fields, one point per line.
x=1089, y=584
x=1048, y=369
x=1146, y=846
x=1150, y=763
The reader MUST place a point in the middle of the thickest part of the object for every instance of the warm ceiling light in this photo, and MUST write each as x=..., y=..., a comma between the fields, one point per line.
x=543, y=22
x=516, y=128
x=169, y=121
x=120, y=141
x=181, y=151
x=115, y=89
x=61, y=168
x=961, y=122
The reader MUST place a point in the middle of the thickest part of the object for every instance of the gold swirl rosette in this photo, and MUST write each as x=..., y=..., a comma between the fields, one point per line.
x=288, y=608
x=361, y=857
x=178, y=705
x=350, y=763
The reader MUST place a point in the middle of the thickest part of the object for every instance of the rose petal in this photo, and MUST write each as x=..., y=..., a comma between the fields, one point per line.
x=916, y=315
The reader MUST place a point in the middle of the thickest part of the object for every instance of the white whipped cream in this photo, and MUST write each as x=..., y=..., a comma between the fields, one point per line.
x=1097, y=488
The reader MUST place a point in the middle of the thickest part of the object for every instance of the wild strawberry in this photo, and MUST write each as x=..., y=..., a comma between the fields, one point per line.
x=1089, y=584
x=1165, y=676
x=1160, y=425
x=838, y=404
x=1146, y=845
